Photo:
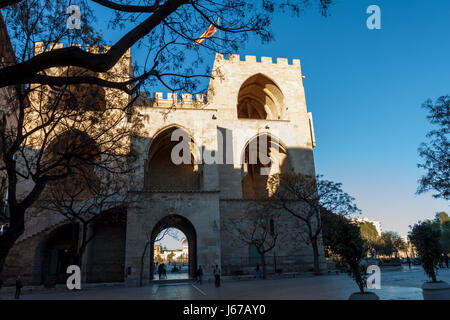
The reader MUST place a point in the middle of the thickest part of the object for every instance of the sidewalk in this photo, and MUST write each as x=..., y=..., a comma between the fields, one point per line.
x=396, y=285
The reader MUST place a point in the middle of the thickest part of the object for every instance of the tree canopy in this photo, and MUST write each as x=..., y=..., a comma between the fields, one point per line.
x=165, y=29
x=436, y=153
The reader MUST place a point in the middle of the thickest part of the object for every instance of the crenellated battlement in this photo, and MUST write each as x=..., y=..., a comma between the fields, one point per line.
x=236, y=58
x=159, y=99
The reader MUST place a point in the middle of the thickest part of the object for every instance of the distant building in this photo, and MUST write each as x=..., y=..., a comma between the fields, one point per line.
x=181, y=253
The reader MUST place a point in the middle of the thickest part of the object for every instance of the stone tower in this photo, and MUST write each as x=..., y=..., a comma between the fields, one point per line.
x=246, y=100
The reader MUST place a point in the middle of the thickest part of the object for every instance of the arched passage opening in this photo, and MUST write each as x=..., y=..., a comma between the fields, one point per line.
x=171, y=255
x=260, y=98
x=187, y=228
x=165, y=173
x=58, y=253
x=263, y=156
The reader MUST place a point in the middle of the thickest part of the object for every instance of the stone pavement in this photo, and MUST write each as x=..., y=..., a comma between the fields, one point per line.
x=404, y=284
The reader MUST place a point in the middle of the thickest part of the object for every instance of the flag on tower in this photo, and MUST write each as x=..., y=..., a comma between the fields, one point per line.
x=207, y=34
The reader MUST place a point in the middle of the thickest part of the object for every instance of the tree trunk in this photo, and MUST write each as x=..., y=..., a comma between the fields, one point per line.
x=315, y=248
x=7, y=241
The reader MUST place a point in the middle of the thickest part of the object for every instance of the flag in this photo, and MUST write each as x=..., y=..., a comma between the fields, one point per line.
x=207, y=34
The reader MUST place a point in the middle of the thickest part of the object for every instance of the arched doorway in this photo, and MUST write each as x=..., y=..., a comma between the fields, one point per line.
x=264, y=155
x=58, y=254
x=172, y=252
x=162, y=173
x=186, y=227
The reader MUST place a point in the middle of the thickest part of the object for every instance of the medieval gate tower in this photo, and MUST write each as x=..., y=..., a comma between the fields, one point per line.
x=247, y=99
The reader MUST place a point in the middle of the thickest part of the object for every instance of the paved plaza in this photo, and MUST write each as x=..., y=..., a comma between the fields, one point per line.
x=404, y=284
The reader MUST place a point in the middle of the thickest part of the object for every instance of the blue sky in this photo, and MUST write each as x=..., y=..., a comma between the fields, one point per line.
x=365, y=88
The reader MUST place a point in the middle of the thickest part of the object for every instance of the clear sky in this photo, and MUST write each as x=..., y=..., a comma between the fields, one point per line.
x=365, y=89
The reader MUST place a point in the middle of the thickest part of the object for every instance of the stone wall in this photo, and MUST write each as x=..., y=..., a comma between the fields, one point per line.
x=201, y=209
x=291, y=252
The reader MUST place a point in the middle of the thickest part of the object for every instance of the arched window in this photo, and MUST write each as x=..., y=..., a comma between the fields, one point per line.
x=260, y=98
x=163, y=173
x=264, y=156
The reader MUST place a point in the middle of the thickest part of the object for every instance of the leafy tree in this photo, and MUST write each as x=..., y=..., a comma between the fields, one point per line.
x=170, y=257
x=370, y=235
x=436, y=153
x=330, y=223
x=390, y=243
x=442, y=223
x=344, y=239
x=305, y=197
x=426, y=239
x=399, y=245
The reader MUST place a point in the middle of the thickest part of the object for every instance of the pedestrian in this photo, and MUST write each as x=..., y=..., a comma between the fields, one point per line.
x=160, y=270
x=217, y=276
x=164, y=271
x=408, y=260
x=446, y=260
x=199, y=274
x=257, y=271
x=18, y=287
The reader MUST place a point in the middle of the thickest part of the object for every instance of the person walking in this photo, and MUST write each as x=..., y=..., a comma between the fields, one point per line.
x=164, y=271
x=160, y=270
x=18, y=287
x=446, y=260
x=199, y=274
x=217, y=276
x=408, y=260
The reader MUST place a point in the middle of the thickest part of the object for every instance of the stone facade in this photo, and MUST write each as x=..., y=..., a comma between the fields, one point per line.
x=221, y=191
x=246, y=99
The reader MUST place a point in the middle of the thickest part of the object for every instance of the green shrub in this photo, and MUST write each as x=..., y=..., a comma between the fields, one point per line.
x=344, y=240
x=426, y=239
